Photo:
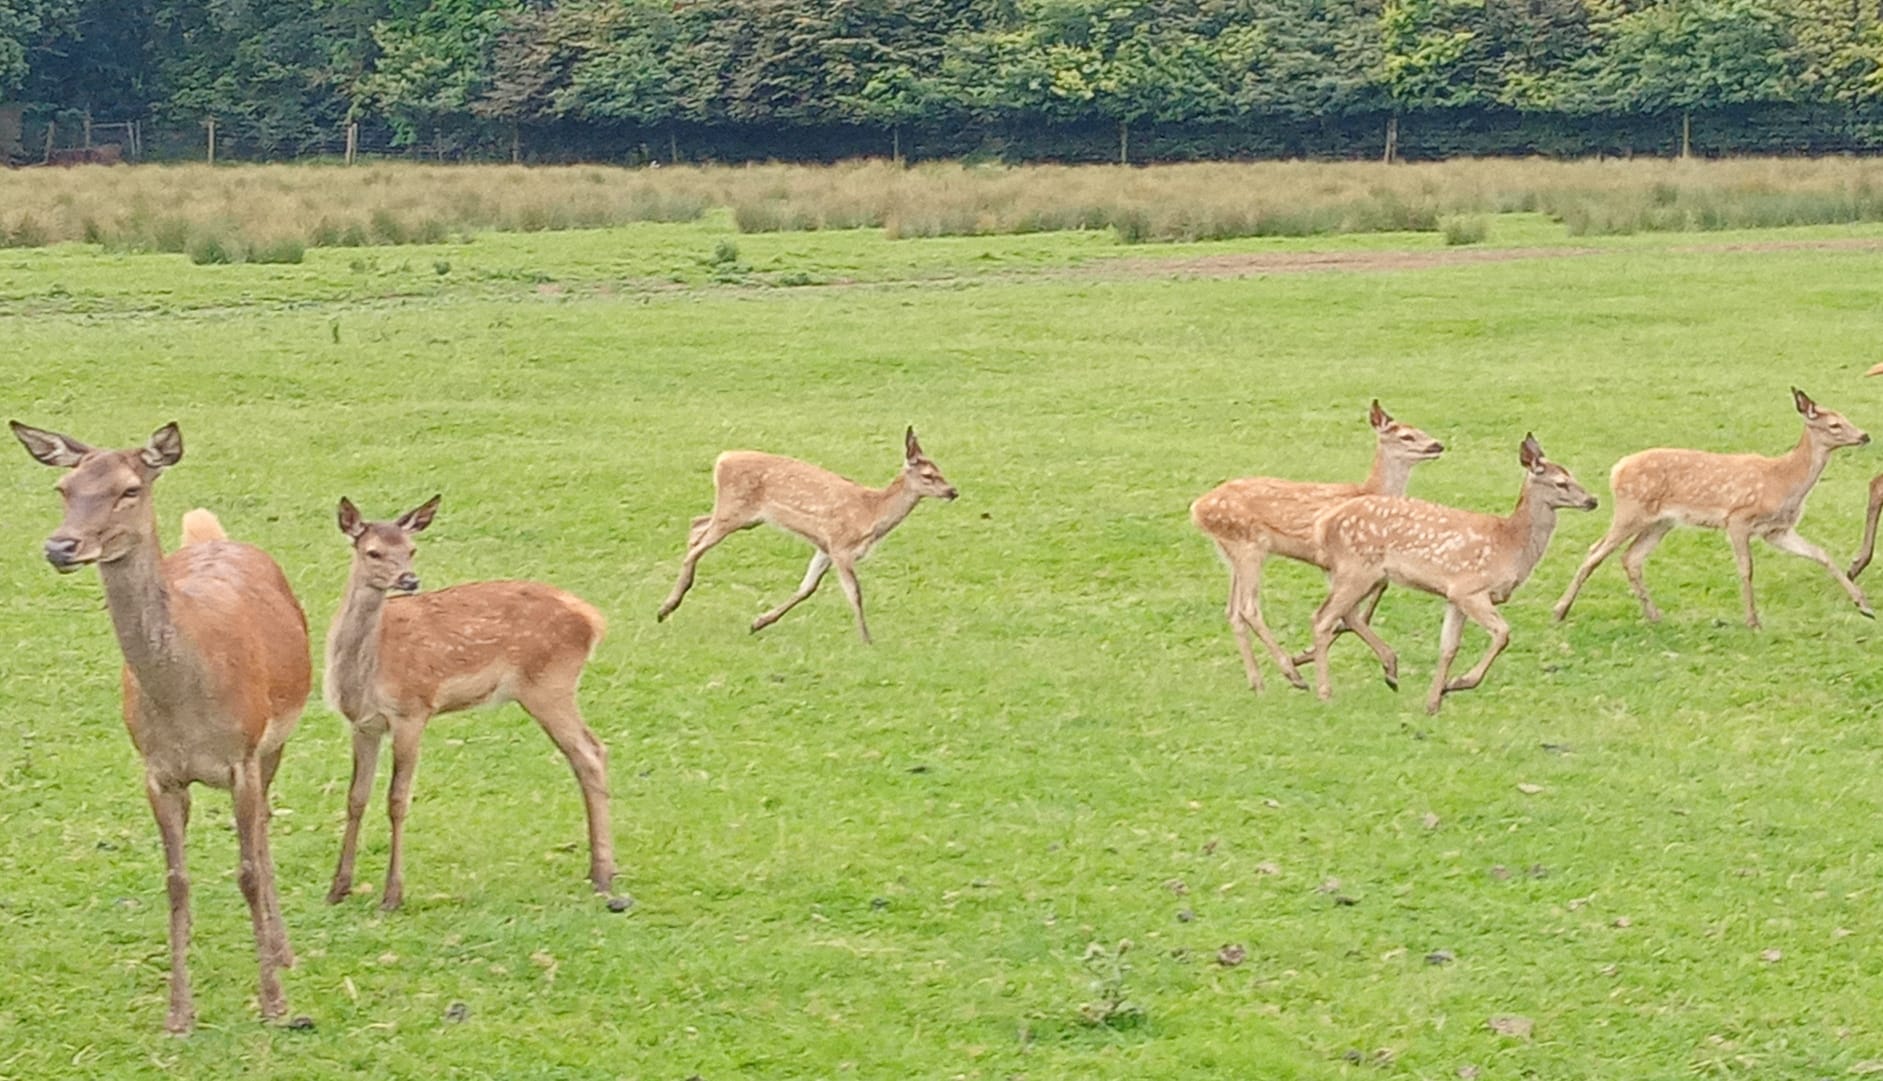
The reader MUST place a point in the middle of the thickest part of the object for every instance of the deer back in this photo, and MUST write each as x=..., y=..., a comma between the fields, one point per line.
x=1277, y=514
x=805, y=499
x=243, y=651
x=1427, y=546
x=1702, y=488
x=482, y=642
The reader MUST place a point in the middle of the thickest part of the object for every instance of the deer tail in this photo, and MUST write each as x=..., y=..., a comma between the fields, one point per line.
x=199, y=525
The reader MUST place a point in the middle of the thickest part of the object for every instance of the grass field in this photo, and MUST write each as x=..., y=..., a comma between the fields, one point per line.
x=1011, y=839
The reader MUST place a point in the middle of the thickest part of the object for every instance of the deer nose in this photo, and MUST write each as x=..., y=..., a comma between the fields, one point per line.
x=1865, y=439
x=60, y=551
x=951, y=494
x=407, y=583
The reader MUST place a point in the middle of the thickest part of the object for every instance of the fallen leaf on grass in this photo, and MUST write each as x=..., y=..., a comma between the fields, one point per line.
x=1529, y=789
x=1771, y=956
x=1510, y=1024
x=1231, y=955
x=1429, y=820
x=1440, y=957
x=1623, y=922
x=1868, y=1065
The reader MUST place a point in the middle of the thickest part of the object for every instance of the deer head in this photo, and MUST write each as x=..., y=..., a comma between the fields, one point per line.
x=107, y=493
x=1551, y=481
x=383, y=551
x=1827, y=427
x=924, y=478
x=1402, y=441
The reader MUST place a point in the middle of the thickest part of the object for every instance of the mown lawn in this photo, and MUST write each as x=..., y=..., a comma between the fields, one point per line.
x=921, y=859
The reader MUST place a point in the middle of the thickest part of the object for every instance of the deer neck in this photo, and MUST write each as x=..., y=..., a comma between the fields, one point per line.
x=1528, y=529
x=1801, y=466
x=353, y=648
x=891, y=505
x=139, y=603
x=1390, y=475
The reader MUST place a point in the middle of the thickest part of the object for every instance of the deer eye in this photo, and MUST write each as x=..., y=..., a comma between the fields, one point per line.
x=130, y=494
x=375, y=555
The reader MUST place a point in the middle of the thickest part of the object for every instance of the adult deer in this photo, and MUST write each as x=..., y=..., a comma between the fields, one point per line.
x=1475, y=561
x=1252, y=518
x=395, y=663
x=1868, y=547
x=842, y=519
x=216, y=670
x=1747, y=495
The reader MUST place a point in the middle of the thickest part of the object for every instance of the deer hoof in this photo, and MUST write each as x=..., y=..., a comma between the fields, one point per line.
x=1392, y=681
x=1866, y=611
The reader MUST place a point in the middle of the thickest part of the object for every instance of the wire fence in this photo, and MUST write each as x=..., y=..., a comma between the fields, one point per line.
x=27, y=139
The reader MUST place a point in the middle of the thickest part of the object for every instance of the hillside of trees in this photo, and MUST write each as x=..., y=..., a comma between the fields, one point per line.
x=1056, y=79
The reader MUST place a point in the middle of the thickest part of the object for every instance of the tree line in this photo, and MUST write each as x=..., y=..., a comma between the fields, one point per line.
x=282, y=76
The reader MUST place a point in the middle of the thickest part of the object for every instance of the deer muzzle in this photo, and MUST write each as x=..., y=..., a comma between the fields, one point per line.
x=406, y=583
x=63, y=554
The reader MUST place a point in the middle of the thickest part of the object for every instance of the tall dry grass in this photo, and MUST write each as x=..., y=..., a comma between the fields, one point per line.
x=235, y=212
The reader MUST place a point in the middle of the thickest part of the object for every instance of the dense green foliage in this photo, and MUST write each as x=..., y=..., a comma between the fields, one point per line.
x=284, y=76
x=919, y=859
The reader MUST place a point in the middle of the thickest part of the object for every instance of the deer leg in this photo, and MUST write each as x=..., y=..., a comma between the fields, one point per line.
x=251, y=820
x=847, y=577
x=1618, y=531
x=1636, y=558
x=1361, y=624
x=561, y=720
x=1233, y=612
x=1790, y=541
x=704, y=536
x=405, y=737
x=814, y=574
x=1481, y=610
x=365, y=760
x=1248, y=601
x=1342, y=597
x=1868, y=547
x=1740, y=536
x=1346, y=625
x=284, y=954
x=1450, y=635
x=171, y=807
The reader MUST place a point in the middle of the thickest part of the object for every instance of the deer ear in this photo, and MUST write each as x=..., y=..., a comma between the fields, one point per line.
x=165, y=448
x=1378, y=417
x=350, y=522
x=911, y=449
x=416, y=519
x=49, y=448
x=1530, y=454
x=1804, y=403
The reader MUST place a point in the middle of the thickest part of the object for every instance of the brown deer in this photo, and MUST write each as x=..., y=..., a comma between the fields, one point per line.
x=842, y=519
x=1253, y=518
x=395, y=663
x=1475, y=561
x=216, y=670
x=1868, y=547
x=1747, y=495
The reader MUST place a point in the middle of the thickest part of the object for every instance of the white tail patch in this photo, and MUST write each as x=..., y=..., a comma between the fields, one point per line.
x=200, y=525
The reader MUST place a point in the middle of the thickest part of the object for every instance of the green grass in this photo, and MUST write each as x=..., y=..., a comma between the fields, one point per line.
x=893, y=861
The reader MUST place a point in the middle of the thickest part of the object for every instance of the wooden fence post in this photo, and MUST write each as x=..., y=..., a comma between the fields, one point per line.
x=353, y=141
x=52, y=127
x=212, y=140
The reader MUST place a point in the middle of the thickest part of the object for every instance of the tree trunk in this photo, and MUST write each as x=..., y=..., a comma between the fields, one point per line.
x=1124, y=143
x=516, y=144
x=1392, y=140
x=212, y=140
x=895, y=143
x=1686, y=134
x=52, y=129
